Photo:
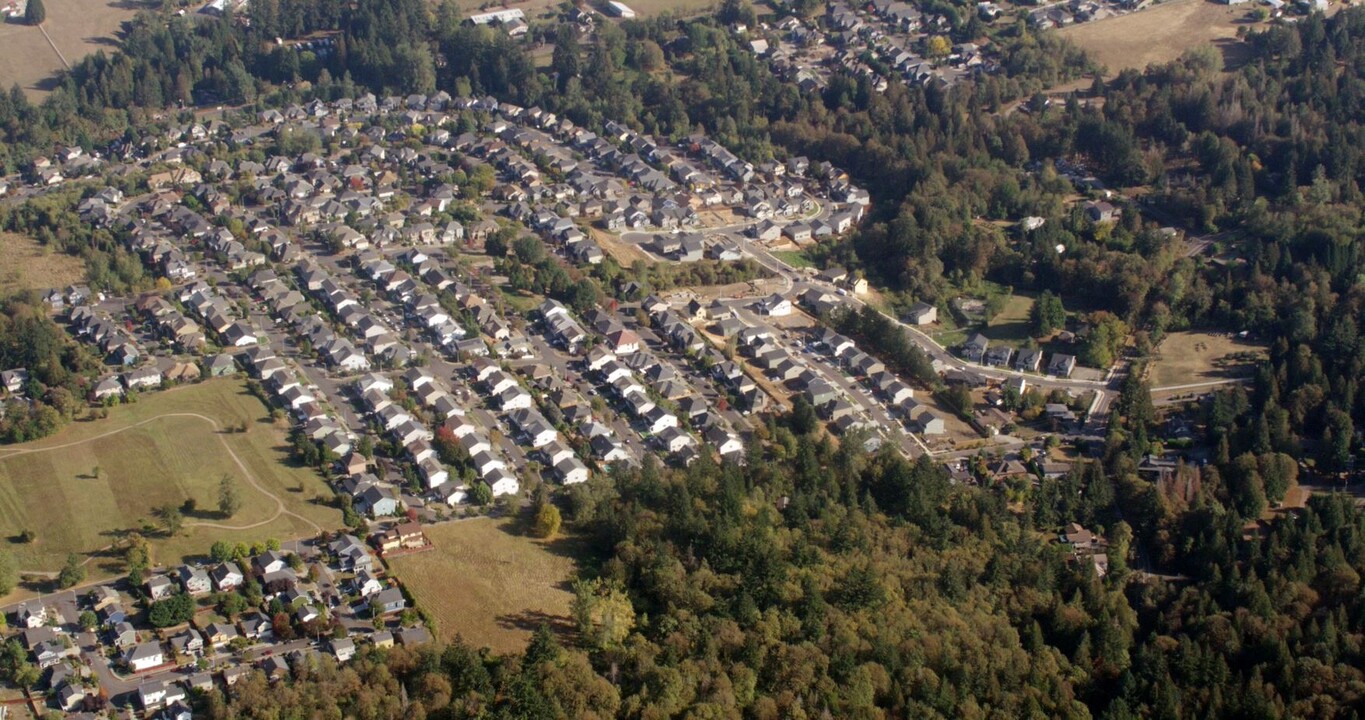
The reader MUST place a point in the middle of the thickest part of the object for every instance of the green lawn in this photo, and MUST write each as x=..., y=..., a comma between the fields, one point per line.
x=1011, y=326
x=151, y=453
x=794, y=258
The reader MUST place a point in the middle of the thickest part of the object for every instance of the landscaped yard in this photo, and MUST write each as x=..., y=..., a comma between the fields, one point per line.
x=1186, y=358
x=489, y=583
x=85, y=487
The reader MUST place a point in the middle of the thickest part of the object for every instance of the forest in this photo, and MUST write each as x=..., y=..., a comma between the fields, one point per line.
x=824, y=582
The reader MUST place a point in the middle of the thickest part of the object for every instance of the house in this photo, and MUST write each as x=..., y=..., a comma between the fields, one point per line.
x=774, y=306
x=922, y=313
x=1100, y=212
x=343, y=649
x=974, y=349
x=268, y=562
x=1061, y=365
x=382, y=639
x=195, y=580
x=159, y=587
x=623, y=342
x=32, y=614
x=571, y=471
x=1077, y=537
x=155, y=694
x=999, y=356
x=13, y=381
x=226, y=577
x=122, y=635
x=145, y=657
x=220, y=634
x=189, y=642
x=377, y=501
x=387, y=601
x=1028, y=361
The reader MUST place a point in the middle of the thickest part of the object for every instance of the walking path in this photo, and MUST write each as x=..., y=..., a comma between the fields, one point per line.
x=250, y=478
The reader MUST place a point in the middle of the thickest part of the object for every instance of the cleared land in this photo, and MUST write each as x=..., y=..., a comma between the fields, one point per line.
x=76, y=28
x=489, y=583
x=1186, y=358
x=1161, y=34
x=542, y=8
x=25, y=265
x=162, y=449
x=1011, y=325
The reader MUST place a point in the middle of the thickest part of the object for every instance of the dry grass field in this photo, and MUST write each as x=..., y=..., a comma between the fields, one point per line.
x=1011, y=326
x=25, y=266
x=1187, y=358
x=76, y=28
x=1162, y=33
x=162, y=449
x=490, y=584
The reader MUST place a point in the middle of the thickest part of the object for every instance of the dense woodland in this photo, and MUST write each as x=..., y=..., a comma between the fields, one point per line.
x=826, y=583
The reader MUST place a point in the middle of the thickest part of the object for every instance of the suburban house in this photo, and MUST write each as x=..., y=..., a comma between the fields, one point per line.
x=922, y=313
x=974, y=349
x=1061, y=365
x=387, y=601
x=145, y=657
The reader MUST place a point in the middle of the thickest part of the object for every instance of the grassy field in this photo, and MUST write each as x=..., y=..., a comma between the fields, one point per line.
x=25, y=266
x=76, y=28
x=794, y=258
x=150, y=453
x=489, y=583
x=1186, y=358
x=1011, y=325
x=1162, y=33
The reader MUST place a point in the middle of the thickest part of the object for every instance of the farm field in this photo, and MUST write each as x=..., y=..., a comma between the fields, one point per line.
x=1160, y=34
x=162, y=449
x=76, y=28
x=1186, y=358
x=488, y=583
x=25, y=266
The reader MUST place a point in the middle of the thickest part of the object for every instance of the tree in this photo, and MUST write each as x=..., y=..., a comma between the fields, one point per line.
x=35, y=13
x=171, y=518
x=73, y=572
x=8, y=572
x=88, y=620
x=174, y=610
x=547, y=521
x=229, y=501
x=938, y=46
x=603, y=612
x=1047, y=315
x=481, y=494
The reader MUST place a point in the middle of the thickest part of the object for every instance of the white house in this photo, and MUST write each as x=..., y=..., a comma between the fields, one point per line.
x=145, y=656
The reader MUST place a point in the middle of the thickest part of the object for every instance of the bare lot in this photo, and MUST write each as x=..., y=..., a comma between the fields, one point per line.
x=1161, y=34
x=489, y=584
x=25, y=265
x=76, y=28
x=1187, y=358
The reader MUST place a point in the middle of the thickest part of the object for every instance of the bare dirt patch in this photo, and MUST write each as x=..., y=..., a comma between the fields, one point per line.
x=1162, y=33
x=27, y=265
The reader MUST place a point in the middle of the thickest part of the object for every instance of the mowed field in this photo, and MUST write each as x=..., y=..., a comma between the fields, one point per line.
x=1161, y=33
x=1012, y=325
x=162, y=449
x=25, y=266
x=1186, y=358
x=490, y=584
x=76, y=27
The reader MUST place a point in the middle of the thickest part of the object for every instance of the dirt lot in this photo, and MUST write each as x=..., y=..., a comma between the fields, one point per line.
x=1186, y=358
x=25, y=266
x=1162, y=33
x=490, y=584
x=76, y=28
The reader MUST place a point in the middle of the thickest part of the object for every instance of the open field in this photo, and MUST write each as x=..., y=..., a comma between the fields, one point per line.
x=165, y=448
x=1186, y=358
x=794, y=258
x=488, y=583
x=1162, y=33
x=76, y=28
x=25, y=266
x=1011, y=325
